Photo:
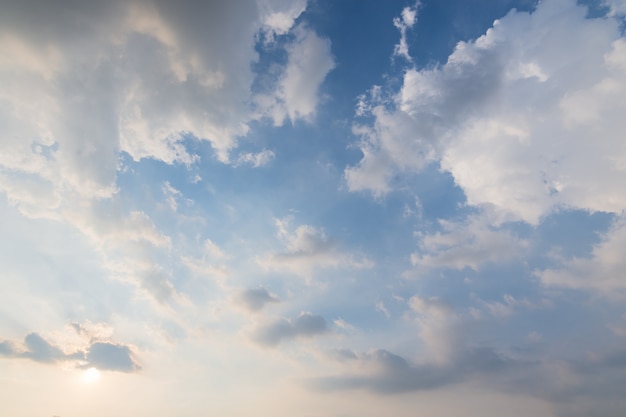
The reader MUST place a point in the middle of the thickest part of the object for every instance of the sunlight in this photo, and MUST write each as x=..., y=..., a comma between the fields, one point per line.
x=91, y=375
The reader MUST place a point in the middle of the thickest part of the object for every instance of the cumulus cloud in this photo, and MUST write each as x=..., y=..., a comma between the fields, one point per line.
x=512, y=115
x=306, y=325
x=89, y=82
x=254, y=299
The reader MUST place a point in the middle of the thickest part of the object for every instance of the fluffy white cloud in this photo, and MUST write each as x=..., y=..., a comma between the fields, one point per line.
x=514, y=116
x=296, y=94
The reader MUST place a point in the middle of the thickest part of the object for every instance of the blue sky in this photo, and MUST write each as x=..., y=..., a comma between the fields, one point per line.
x=313, y=208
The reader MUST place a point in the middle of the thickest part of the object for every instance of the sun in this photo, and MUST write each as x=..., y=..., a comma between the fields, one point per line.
x=91, y=375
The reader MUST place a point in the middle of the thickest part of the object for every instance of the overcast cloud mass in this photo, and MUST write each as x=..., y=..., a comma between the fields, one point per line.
x=313, y=208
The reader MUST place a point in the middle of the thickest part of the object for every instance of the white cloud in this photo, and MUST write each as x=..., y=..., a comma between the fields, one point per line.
x=296, y=95
x=257, y=159
x=279, y=16
x=467, y=244
x=430, y=306
x=438, y=326
x=172, y=195
x=509, y=305
x=380, y=306
x=406, y=21
x=513, y=116
x=307, y=248
x=88, y=82
x=135, y=77
x=602, y=272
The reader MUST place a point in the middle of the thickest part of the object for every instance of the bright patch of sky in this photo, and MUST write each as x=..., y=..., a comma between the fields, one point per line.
x=326, y=208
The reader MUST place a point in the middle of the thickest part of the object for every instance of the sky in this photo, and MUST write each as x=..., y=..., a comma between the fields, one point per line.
x=313, y=208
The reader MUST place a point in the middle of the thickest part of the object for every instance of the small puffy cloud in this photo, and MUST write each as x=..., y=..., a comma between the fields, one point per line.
x=109, y=356
x=174, y=196
x=279, y=16
x=254, y=299
x=405, y=21
x=306, y=325
x=512, y=115
x=380, y=307
x=256, y=160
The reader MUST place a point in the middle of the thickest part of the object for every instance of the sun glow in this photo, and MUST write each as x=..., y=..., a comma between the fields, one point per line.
x=91, y=375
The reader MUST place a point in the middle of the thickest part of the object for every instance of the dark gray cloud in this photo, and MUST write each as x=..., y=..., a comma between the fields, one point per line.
x=594, y=385
x=37, y=349
x=255, y=299
x=388, y=373
x=306, y=325
x=40, y=350
x=111, y=357
x=98, y=354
